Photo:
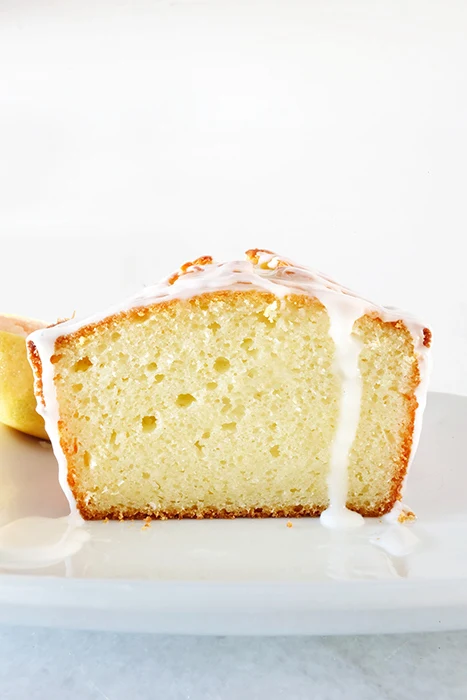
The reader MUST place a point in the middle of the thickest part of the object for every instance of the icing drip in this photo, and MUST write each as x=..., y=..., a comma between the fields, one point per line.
x=50, y=413
x=35, y=542
x=396, y=540
x=347, y=352
x=262, y=271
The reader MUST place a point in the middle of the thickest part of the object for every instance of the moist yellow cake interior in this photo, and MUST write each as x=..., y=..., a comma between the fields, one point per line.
x=228, y=404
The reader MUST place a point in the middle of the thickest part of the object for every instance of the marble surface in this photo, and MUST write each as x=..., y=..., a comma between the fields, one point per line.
x=43, y=664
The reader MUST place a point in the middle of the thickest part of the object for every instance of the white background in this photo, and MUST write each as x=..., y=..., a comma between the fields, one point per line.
x=134, y=136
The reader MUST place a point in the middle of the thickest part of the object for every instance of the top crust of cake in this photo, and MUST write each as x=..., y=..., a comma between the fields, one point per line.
x=297, y=279
x=262, y=270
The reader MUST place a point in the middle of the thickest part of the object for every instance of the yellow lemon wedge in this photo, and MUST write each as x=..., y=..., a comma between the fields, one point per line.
x=17, y=399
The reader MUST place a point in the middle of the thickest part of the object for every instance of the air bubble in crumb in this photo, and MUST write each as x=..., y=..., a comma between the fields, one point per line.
x=185, y=400
x=82, y=365
x=148, y=424
x=222, y=364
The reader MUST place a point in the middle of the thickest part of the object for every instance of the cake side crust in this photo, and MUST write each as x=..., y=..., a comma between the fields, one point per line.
x=36, y=364
x=400, y=472
x=402, y=461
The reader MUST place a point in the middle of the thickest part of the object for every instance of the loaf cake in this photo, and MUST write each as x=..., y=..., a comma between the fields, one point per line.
x=254, y=388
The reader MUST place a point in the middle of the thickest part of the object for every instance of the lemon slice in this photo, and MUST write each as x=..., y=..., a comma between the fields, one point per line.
x=17, y=400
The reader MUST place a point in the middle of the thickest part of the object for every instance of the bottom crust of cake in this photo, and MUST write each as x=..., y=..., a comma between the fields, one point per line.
x=222, y=513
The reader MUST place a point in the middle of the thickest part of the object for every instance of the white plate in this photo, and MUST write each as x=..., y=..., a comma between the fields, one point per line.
x=247, y=576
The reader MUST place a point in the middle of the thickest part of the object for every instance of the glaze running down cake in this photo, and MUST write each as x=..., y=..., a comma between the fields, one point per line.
x=251, y=388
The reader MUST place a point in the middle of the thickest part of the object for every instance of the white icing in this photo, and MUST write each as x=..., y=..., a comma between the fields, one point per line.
x=36, y=541
x=50, y=413
x=396, y=540
x=265, y=273
x=347, y=352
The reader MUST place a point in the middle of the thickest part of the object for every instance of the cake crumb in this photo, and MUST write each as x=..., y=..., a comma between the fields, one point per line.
x=147, y=524
x=106, y=520
x=64, y=319
x=289, y=523
x=406, y=515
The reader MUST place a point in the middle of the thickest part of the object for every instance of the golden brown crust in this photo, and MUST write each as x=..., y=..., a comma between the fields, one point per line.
x=203, y=260
x=36, y=363
x=215, y=513
x=254, y=254
x=407, y=441
x=402, y=463
x=427, y=335
x=137, y=313
x=199, y=513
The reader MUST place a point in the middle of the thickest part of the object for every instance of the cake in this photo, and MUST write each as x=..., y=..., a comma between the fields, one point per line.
x=254, y=388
